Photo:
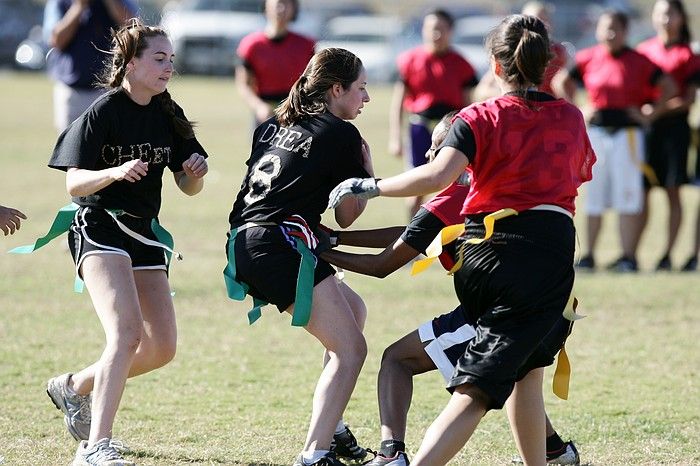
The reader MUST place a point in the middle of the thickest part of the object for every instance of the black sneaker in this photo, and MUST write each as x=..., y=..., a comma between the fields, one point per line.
x=624, y=265
x=586, y=264
x=664, y=265
x=328, y=459
x=345, y=445
x=691, y=265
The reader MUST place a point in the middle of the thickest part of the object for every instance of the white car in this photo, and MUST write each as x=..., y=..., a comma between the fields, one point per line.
x=372, y=38
x=206, y=33
x=469, y=36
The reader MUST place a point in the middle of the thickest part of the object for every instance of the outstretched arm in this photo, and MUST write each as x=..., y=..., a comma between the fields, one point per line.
x=10, y=219
x=379, y=238
x=376, y=265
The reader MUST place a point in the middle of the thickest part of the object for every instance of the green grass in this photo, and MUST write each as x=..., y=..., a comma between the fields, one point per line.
x=241, y=395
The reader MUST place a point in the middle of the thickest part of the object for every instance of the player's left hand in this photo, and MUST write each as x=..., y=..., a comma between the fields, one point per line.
x=196, y=166
x=363, y=188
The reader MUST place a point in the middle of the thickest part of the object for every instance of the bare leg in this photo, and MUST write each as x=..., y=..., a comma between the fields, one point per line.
x=159, y=334
x=628, y=226
x=333, y=324
x=525, y=408
x=413, y=204
x=593, y=228
x=110, y=281
x=675, y=217
x=400, y=362
x=453, y=427
x=641, y=221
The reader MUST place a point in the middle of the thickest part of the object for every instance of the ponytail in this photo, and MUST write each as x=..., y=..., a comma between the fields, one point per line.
x=520, y=45
x=308, y=94
x=183, y=126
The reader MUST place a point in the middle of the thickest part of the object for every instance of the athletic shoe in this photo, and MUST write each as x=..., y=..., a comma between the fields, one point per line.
x=570, y=456
x=664, y=265
x=100, y=454
x=345, y=445
x=691, y=265
x=586, y=264
x=399, y=459
x=76, y=408
x=328, y=459
x=624, y=265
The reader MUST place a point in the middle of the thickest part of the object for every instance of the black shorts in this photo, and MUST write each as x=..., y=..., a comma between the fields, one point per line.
x=269, y=265
x=667, y=144
x=514, y=287
x=94, y=231
x=446, y=338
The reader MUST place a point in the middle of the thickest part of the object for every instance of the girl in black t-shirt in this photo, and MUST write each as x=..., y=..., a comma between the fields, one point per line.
x=297, y=157
x=115, y=155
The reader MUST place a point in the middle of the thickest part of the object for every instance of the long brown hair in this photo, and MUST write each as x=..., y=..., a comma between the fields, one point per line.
x=308, y=94
x=128, y=42
x=520, y=44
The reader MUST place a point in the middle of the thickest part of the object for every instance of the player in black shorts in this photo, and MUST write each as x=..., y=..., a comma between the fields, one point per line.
x=115, y=155
x=438, y=343
x=297, y=157
x=527, y=154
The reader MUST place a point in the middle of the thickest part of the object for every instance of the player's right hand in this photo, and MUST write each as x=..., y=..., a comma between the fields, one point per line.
x=131, y=171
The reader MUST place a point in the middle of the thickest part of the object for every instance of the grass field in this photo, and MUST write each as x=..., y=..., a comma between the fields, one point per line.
x=241, y=395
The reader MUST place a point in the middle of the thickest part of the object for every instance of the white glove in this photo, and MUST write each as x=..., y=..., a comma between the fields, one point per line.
x=364, y=188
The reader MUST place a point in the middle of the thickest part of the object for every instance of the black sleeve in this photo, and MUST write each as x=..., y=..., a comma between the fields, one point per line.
x=461, y=137
x=80, y=143
x=471, y=83
x=575, y=74
x=348, y=163
x=694, y=78
x=183, y=148
x=655, y=76
x=422, y=230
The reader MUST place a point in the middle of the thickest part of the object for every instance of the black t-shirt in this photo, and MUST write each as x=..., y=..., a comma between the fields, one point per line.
x=292, y=170
x=422, y=230
x=114, y=130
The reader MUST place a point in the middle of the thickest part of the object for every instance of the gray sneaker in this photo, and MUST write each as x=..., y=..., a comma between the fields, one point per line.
x=76, y=408
x=100, y=454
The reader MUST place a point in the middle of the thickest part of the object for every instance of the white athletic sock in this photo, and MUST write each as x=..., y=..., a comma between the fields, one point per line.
x=315, y=455
x=340, y=428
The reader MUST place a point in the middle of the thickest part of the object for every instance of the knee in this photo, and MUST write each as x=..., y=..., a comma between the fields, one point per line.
x=394, y=358
x=164, y=353
x=127, y=340
x=355, y=353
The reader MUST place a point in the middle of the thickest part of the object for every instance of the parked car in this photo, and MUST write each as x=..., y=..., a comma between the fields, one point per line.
x=468, y=39
x=206, y=33
x=373, y=38
x=17, y=17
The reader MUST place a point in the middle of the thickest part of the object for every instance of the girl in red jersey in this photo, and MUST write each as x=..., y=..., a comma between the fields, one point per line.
x=433, y=80
x=668, y=139
x=528, y=152
x=618, y=80
x=272, y=60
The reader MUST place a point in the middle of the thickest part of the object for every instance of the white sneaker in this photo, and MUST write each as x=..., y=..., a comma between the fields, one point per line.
x=100, y=454
x=76, y=408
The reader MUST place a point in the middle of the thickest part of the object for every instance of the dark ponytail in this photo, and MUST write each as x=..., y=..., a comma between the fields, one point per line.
x=308, y=94
x=127, y=43
x=520, y=45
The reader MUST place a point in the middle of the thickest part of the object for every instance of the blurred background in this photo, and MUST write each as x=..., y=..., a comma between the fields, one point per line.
x=205, y=33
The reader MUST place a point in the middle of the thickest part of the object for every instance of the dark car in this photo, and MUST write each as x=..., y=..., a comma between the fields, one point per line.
x=17, y=17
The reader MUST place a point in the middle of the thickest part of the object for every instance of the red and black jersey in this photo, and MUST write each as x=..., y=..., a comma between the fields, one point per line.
x=276, y=63
x=615, y=81
x=527, y=153
x=676, y=60
x=292, y=170
x=434, y=80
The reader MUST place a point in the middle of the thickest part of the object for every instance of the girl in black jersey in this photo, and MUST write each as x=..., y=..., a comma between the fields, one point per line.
x=115, y=155
x=297, y=157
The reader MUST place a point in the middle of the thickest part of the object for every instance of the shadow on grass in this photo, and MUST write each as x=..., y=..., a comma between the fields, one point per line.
x=183, y=458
